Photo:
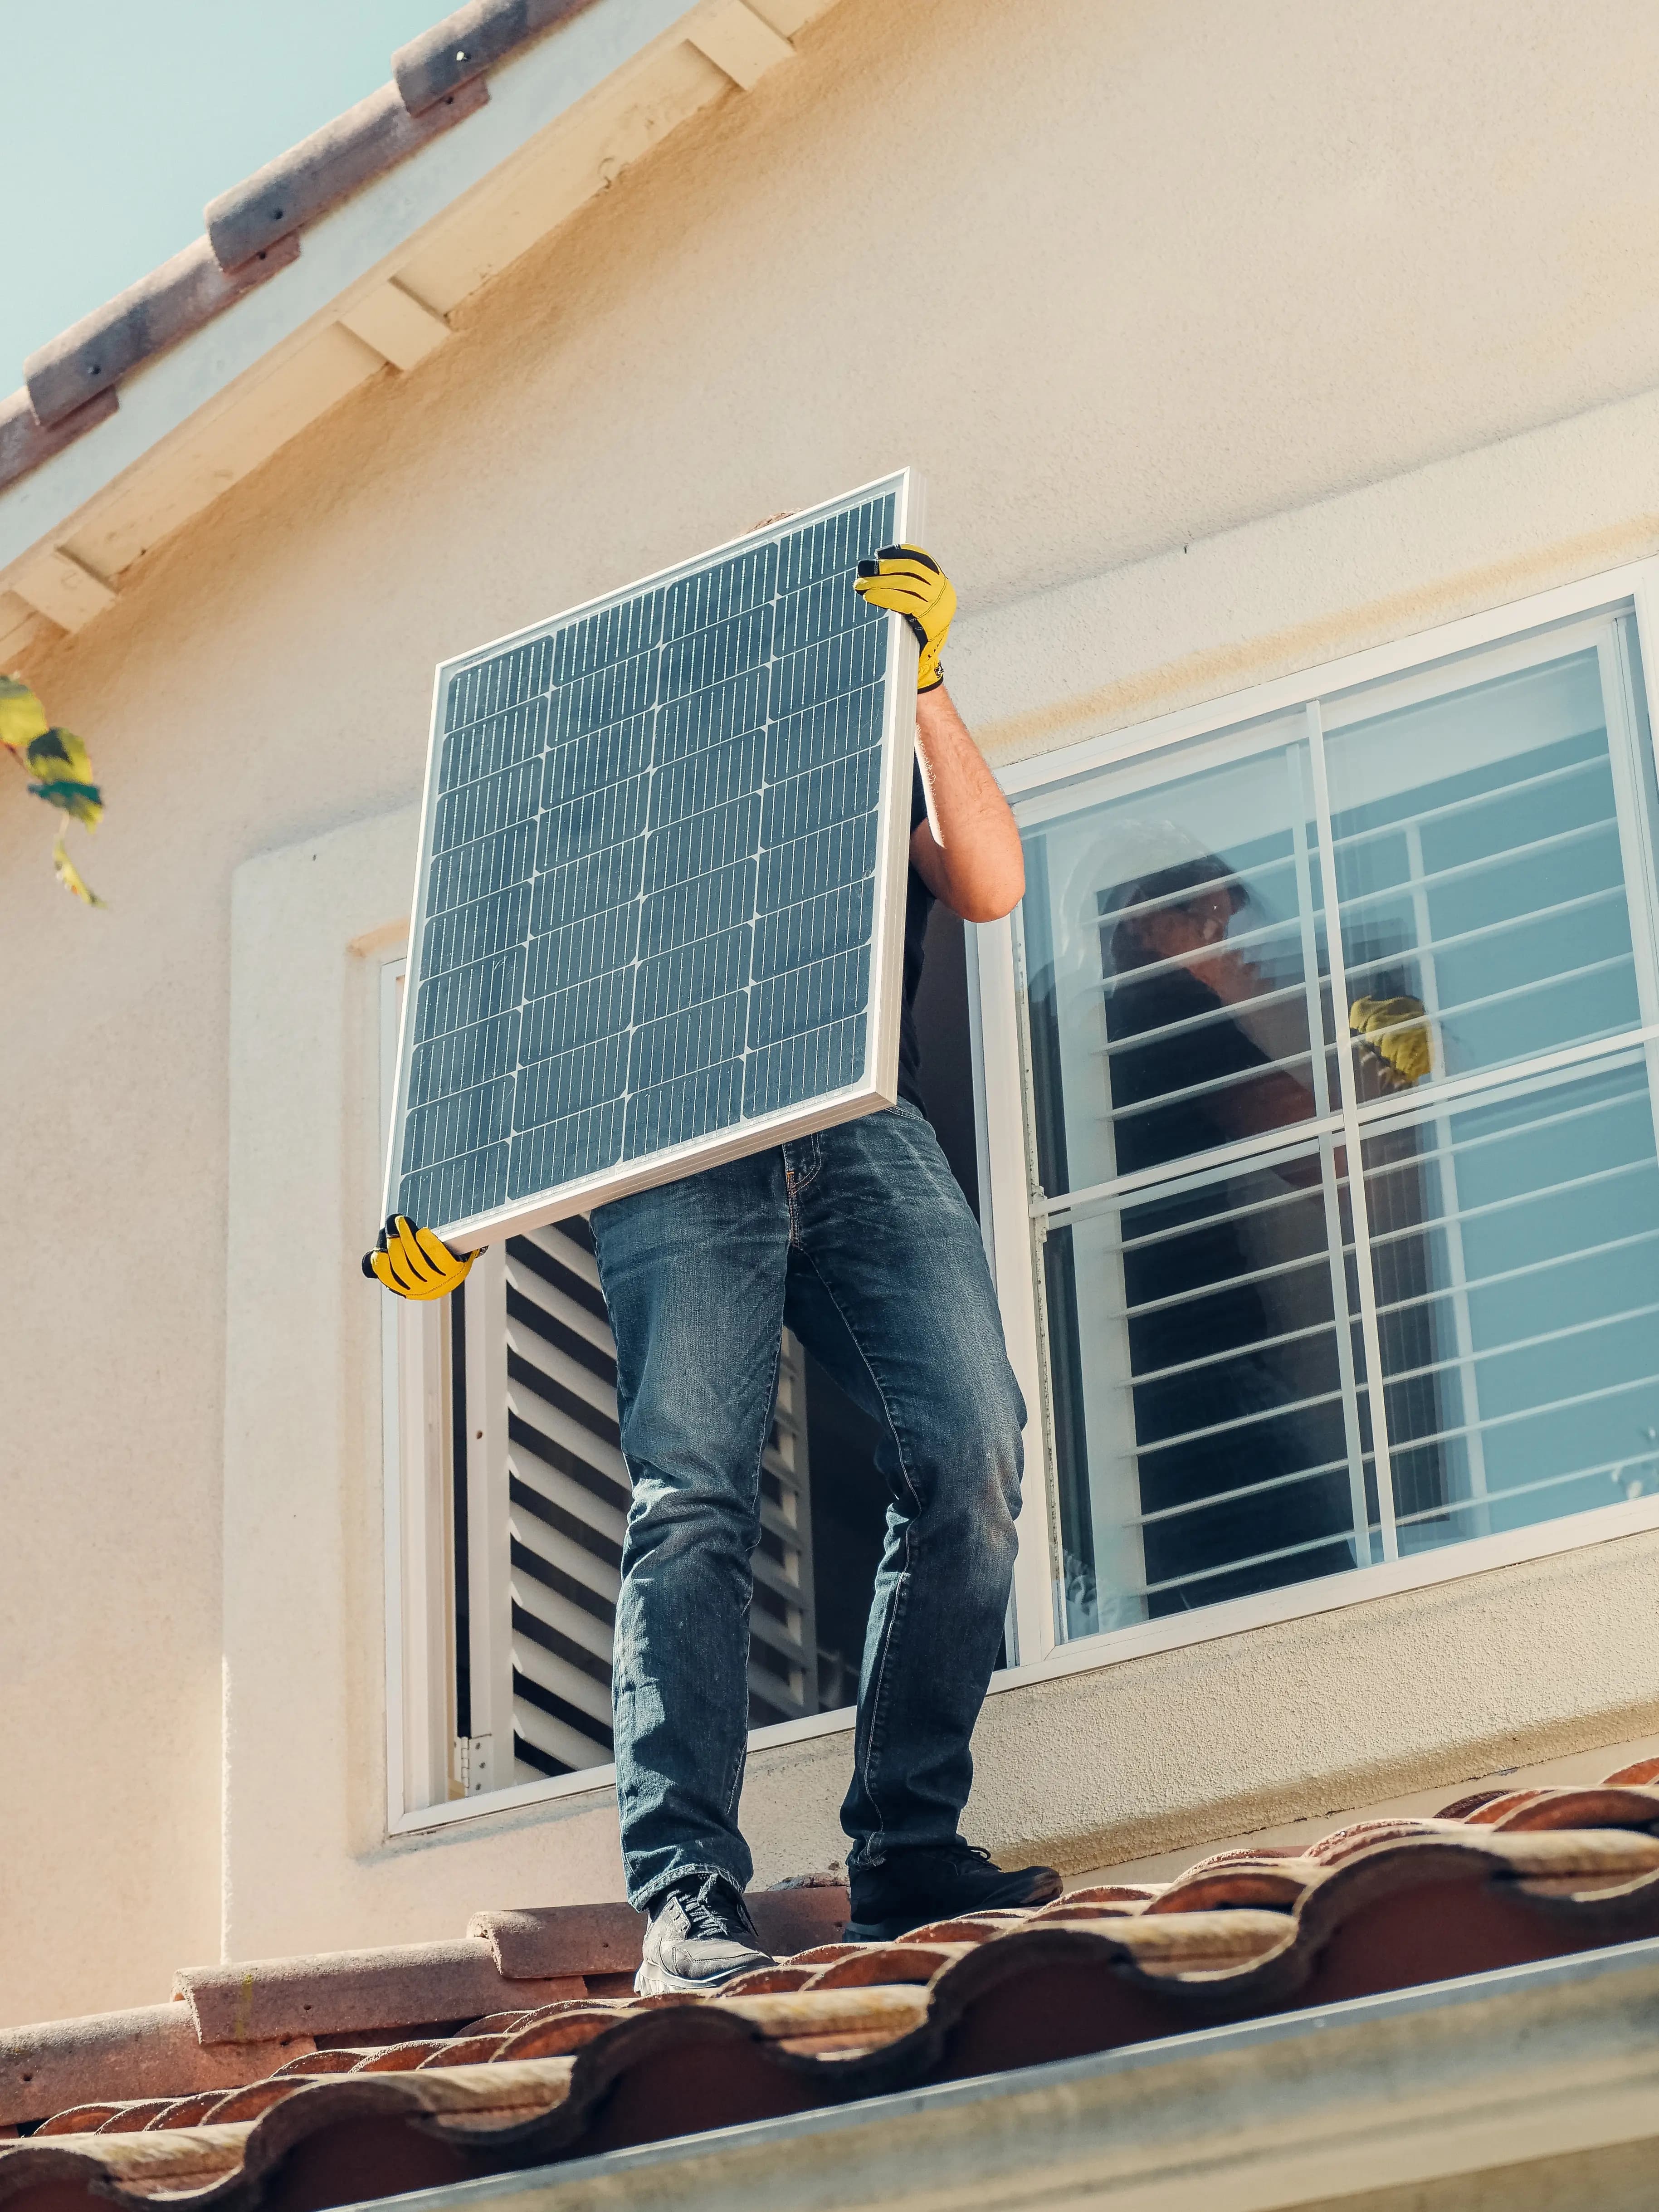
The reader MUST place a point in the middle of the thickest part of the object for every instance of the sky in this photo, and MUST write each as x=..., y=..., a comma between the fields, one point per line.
x=124, y=118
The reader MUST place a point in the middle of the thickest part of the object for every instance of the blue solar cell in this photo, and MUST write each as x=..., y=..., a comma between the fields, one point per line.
x=708, y=717
x=816, y=929
x=581, y=1014
x=650, y=893
x=804, y=1067
x=487, y=925
x=465, y=995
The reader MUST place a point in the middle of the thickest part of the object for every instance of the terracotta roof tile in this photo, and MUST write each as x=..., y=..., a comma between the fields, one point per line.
x=350, y=1991
x=270, y=208
x=1377, y=1906
x=92, y=356
x=437, y=64
x=1642, y=1771
x=152, y=2050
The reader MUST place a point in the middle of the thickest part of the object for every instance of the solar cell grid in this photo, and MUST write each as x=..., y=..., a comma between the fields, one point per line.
x=649, y=898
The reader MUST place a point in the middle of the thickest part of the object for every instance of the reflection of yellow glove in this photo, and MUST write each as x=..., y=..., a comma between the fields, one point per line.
x=909, y=582
x=1397, y=1031
x=414, y=1262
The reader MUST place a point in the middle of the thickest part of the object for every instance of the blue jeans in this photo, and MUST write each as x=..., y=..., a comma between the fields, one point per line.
x=860, y=1240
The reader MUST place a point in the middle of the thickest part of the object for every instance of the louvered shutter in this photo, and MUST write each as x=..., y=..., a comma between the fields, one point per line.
x=546, y=1500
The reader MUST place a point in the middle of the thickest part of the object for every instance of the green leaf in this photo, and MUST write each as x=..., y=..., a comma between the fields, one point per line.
x=70, y=877
x=83, y=800
x=23, y=718
x=59, y=756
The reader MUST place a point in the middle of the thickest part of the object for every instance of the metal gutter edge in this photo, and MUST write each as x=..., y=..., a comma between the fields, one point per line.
x=1458, y=2076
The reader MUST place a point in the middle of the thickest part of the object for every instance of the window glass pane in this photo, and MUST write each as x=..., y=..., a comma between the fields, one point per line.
x=1209, y=1321
x=1479, y=866
x=1209, y=1438
x=1514, y=1250
x=1168, y=931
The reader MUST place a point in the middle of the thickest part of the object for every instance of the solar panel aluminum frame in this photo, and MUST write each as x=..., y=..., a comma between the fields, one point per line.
x=878, y=1087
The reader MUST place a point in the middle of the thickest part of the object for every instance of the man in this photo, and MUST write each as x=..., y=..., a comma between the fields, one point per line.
x=859, y=1239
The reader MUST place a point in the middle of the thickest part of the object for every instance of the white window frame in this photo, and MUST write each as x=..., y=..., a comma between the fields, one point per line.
x=419, y=1663
x=1015, y=1210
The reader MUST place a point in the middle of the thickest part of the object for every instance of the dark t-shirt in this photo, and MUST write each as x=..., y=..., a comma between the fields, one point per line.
x=918, y=906
x=1142, y=1074
x=1179, y=1243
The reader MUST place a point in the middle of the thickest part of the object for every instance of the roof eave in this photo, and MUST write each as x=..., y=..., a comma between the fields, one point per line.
x=344, y=258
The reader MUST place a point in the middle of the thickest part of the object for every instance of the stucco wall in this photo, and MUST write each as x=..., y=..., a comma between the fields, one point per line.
x=1152, y=292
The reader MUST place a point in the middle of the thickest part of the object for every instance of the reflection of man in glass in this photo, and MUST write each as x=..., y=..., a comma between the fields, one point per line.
x=1232, y=1420
x=1175, y=982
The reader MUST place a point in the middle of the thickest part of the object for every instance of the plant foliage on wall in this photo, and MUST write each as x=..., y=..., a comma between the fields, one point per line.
x=57, y=761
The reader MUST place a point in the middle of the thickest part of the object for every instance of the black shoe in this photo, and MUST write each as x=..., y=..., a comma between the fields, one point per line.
x=700, y=1937
x=910, y=1889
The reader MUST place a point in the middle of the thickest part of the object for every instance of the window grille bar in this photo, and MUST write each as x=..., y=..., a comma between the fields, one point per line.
x=1429, y=977
x=1250, y=1209
x=1369, y=1332
x=1166, y=1513
x=1592, y=764
x=1601, y=1053
x=1264, y=1274
x=1528, y=1267
x=1217, y=1082
x=1250, y=1420
x=1460, y=1007
x=1330, y=1192
x=1187, y=893
x=1591, y=1055
x=1462, y=871
x=1534, y=1122
x=1612, y=1467
x=1612, y=896
x=1531, y=1412
x=1472, y=1357
x=1280, y=996
x=1256, y=1346
x=1238, y=1566
x=1489, y=1207
x=1237, y=940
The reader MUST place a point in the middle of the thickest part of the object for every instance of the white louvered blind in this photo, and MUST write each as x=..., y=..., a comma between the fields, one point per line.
x=540, y=1518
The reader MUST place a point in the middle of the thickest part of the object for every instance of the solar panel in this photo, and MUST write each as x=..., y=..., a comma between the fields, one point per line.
x=658, y=919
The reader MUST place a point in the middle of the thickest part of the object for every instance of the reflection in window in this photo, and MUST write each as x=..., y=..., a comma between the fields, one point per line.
x=1216, y=1295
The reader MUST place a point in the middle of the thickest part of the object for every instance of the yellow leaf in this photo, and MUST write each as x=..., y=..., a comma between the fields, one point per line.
x=84, y=801
x=23, y=718
x=70, y=877
x=59, y=756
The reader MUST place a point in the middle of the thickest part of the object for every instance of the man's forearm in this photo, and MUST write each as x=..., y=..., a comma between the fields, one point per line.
x=968, y=852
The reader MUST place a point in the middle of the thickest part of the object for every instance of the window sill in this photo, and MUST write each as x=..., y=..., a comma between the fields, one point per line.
x=1090, y=1654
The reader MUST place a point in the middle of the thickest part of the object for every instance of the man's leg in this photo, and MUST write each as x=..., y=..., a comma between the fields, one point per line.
x=694, y=1277
x=890, y=1289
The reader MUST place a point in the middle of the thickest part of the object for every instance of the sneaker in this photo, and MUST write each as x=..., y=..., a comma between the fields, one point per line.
x=911, y=1888
x=700, y=1937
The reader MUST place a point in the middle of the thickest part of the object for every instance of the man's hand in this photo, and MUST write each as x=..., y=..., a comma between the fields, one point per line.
x=414, y=1262
x=908, y=581
x=1396, y=1030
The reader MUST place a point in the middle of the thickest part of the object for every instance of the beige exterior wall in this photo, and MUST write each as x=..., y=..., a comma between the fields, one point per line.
x=1230, y=338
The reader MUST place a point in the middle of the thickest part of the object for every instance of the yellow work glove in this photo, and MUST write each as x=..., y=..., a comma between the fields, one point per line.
x=414, y=1262
x=1398, y=1032
x=909, y=582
